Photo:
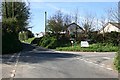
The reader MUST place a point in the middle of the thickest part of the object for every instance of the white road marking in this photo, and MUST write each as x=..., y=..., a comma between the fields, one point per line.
x=100, y=65
x=15, y=66
x=107, y=58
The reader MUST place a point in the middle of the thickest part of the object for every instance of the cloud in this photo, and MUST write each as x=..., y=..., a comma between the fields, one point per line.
x=56, y=8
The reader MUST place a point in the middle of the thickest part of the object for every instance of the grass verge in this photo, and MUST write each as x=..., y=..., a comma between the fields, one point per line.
x=92, y=48
x=29, y=40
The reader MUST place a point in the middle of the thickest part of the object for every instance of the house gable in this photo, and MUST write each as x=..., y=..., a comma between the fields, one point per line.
x=109, y=27
x=72, y=28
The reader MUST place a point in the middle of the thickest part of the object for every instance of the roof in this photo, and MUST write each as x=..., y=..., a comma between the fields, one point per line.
x=113, y=23
x=76, y=25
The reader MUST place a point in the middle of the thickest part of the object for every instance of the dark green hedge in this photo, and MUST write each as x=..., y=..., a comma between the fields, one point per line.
x=10, y=43
x=113, y=37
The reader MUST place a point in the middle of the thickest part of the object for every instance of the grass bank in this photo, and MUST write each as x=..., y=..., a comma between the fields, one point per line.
x=29, y=40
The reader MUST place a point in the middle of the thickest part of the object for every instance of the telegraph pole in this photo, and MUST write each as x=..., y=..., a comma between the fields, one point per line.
x=45, y=21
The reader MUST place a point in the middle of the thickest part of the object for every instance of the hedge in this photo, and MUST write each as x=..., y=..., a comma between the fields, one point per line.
x=10, y=43
x=117, y=60
x=51, y=41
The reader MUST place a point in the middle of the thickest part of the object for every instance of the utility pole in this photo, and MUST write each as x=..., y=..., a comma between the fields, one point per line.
x=45, y=21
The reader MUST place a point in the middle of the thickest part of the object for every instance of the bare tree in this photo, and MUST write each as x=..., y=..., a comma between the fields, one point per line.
x=76, y=15
x=114, y=14
x=66, y=20
x=103, y=22
x=76, y=19
x=88, y=24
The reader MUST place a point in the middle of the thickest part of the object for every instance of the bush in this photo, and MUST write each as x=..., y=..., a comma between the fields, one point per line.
x=117, y=61
x=36, y=41
x=112, y=37
x=10, y=43
x=48, y=42
x=51, y=41
x=23, y=36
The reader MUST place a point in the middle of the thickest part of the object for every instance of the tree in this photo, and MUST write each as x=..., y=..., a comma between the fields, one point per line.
x=114, y=14
x=66, y=21
x=88, y=24
x=103, y=22
x=15, y=16
x=55, y=23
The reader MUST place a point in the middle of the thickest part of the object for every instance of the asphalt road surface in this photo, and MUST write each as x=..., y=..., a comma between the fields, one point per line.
x=37, y=62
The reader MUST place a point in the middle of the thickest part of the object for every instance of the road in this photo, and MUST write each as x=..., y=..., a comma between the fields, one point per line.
x=37, y=62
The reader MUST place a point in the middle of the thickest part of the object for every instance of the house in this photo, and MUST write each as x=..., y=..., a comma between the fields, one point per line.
x=37, y=35
x=109, y=27
x=73, y=28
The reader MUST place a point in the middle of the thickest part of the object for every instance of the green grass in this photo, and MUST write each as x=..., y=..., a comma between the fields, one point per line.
x=94, y=47
x=117, y=61
x=29, y=40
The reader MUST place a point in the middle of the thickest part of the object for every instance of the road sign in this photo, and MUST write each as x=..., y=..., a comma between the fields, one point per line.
x=84, y=44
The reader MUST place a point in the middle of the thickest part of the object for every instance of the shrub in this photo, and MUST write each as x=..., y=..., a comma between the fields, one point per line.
x=10, y=43
x=48, y=42
x=117, y=61
x=52, y=41
x=112, y=37
x=23, y=36
x=36, y=41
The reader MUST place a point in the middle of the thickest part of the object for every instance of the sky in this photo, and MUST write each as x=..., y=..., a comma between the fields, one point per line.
x=37, y=21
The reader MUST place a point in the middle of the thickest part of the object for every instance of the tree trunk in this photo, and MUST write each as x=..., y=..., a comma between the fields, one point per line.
x=6, y=10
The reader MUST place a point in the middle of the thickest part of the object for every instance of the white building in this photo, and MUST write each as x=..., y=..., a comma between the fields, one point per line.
x=109, y=27
x=39, y=34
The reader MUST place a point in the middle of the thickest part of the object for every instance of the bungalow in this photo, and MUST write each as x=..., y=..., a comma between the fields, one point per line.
x=73, y=27
x=109, y=27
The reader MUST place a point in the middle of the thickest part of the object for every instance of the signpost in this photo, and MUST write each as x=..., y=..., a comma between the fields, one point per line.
x=84, y=44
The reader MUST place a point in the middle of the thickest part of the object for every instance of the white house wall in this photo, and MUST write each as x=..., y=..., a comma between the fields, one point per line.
x=110, y=28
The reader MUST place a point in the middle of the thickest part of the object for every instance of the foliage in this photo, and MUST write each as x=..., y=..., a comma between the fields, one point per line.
x=48, y=42
x=23, y=36
x=29, y=34
x=52, y=41
x=117, y=60
x=36, y=40
x=58, y=22
x=29, y=40
x=8, y=25
x=10, y=43
x=112, y=37
x=15, y=16
x=55, y=24
x=94, y=47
